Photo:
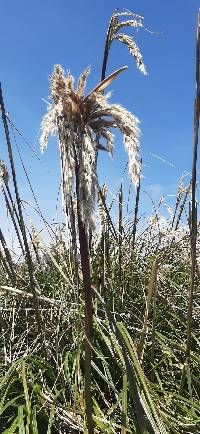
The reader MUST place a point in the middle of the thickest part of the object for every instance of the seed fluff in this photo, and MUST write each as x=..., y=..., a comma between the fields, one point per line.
x=81, y=123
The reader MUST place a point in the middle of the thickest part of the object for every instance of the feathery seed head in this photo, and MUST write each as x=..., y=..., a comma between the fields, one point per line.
x=80, y=123
x=58, y=83
x=116, y=25
x=133, y=50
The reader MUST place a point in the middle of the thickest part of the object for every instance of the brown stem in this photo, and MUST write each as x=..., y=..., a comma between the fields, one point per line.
x=106, y=50
x=85, y=266
x=12, y=215
x=21, y=220
x=193, y=220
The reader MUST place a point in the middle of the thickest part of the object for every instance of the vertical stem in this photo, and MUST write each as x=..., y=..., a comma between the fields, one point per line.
x=103, y=261
x=124, y=404
x=85, y=265
x=103, y=248
x=182, y=207
x=151, y=289
x=12, y=215
x=193, y=225
x=153, y=336
x=21, y=220
x=193, y=205
x=106, y=50
x=8, y=259
x=120, y=234
x=136, y=212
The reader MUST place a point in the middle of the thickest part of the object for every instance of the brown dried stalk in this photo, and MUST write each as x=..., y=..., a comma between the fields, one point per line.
x=19, y=293
x=21, y=219
x=85, y=265
x=193, y=220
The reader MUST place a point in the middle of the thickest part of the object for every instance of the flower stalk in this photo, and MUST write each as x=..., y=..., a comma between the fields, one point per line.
x=81, y=122
x=85, y=265
x=193, y=214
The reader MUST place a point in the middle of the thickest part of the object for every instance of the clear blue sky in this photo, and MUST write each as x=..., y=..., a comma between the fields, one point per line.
x=36, y=35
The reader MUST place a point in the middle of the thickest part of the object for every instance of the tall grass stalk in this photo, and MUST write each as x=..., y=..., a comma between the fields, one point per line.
x=85, y=265
x=107, y=48
x=193, y=220
x=120, y=229
x=80, y=122
x=150, y=294
x=104, y=241
x=13, y=215
x=8, y=257
x=136, y=209
x=21, y=219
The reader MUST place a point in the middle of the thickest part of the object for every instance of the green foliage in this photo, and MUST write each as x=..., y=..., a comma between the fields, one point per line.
x=42, y=383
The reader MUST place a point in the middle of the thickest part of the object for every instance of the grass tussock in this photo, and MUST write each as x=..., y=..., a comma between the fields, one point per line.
x=99, y=334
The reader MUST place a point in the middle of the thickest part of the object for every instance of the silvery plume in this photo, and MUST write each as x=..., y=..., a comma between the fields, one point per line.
x=82, y=123
x=126, y=19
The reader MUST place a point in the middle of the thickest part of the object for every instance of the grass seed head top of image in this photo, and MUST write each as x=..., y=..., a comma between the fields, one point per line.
x=82, y=123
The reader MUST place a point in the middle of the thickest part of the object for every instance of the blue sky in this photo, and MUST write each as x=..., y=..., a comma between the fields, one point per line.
x=36, y=35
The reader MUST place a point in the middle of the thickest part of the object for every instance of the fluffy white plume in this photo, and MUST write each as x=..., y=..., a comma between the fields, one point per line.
x=80, y=124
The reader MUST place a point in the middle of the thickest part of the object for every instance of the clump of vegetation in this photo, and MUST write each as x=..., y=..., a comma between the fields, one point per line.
x=99, y=334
